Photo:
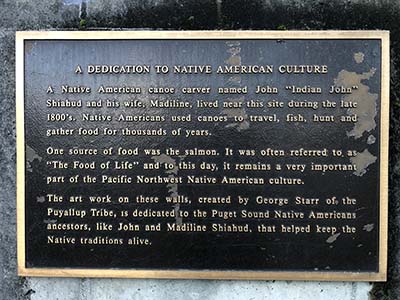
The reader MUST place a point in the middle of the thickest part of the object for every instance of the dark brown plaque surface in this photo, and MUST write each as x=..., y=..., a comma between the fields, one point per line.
x=221, y=155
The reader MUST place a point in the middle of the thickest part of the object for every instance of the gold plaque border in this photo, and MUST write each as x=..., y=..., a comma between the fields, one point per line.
x=381, y=275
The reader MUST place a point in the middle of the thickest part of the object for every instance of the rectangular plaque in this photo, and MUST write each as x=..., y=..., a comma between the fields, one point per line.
x=210, y=155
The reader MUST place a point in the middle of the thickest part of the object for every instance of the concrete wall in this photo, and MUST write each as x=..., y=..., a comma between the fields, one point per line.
x=186, y=14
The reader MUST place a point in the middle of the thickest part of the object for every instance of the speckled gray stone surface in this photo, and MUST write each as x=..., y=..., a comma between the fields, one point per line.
x=89, y=289
x=186, y=14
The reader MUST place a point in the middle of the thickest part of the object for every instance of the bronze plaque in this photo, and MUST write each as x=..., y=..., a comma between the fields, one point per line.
x=211, y=155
